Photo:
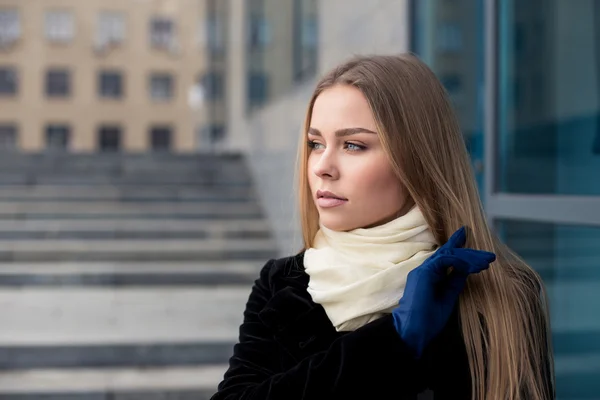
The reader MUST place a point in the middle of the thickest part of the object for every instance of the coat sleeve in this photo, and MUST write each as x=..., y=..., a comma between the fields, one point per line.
x=366, y=363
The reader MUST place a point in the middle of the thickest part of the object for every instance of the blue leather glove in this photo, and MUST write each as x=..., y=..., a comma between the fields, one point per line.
x=431, y=292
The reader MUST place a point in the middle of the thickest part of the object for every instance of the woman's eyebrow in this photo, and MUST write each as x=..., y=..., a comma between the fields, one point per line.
x=341, y=132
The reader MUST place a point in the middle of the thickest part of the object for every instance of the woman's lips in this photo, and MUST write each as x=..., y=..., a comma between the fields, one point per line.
x=328, y=202
x=327, y=199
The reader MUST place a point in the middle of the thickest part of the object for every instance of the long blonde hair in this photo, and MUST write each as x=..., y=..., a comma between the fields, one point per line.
x=504, y=312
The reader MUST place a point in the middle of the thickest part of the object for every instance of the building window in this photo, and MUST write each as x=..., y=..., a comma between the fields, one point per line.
x=58, y=83
x=161, y=138
x=60, y=26
x=213, y=30
x=162, y=32
x=310, y=32
x=161, y=86
x=10, y=27
x=8, y=81
x=209, y=135
x=213, y=85
x=259, y=32
x=215, y=35
x=109, y=138
x=111, y=29
x=306, y=38
x=258, y=89
x=8, y=137
x=110, y=84
x=57, y=137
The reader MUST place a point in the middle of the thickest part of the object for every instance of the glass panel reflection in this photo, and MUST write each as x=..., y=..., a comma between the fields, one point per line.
x=549, y=97
x=568, y=259
x=449, y=37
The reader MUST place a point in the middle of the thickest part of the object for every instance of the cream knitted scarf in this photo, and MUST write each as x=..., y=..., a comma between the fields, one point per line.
x=358, y=276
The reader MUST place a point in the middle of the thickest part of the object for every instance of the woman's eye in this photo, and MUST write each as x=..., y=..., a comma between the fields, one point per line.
x=314, y=145
x=347, y=146
x=354, y=147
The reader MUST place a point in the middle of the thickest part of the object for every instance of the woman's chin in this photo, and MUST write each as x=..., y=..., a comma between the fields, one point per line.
x=338, y=224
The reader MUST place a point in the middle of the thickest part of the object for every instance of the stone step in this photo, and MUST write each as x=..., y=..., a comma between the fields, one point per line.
x=99, y=160
x=208, y=274
x=141, y=211
x=137, y=395
x=130, y=217
x=133, y=198
x=123, y=193
x=53, y=320
x=181, y=383
x=136, y=250
x=216, y=209
x=120, y=161
x=126, y=234
x=152, y=196
x=218, y=169
x=115, y=355
x=215, y=226
x=124, y=277
x=140, y=268
x=235, y=180
x=225, y=172
x=123, y=166
x=101, y=229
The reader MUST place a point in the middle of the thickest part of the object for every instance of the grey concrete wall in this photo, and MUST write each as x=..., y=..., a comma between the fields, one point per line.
x=347, y=27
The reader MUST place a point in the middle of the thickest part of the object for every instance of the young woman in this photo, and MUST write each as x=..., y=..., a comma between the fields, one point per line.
x=401, y=287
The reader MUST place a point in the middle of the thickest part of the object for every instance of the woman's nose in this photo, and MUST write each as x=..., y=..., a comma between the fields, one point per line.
x=326, y=167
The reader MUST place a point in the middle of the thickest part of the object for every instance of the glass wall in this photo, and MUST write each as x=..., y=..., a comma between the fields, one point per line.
x=566, y=256
x=548, y=97
x=547, y=143
x=536, y=129
x=448, y=36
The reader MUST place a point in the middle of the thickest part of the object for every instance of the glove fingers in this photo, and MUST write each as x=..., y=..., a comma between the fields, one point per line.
x=457, y=239
x=444, y=261
x=473, y=251
x=462, y=266
x=476, y=256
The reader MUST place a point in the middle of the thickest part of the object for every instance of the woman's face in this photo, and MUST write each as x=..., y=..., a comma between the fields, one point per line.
x=350, y=177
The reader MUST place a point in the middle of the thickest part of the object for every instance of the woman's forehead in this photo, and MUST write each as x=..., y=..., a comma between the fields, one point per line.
x=341, y=106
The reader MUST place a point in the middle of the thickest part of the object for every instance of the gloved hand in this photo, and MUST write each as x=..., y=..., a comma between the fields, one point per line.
x=431, y=292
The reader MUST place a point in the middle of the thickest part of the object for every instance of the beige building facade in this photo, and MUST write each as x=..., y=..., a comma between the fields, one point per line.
x=144, y=75
x=104, y=75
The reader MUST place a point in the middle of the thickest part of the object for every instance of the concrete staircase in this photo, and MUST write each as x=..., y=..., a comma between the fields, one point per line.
x=124, y=276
